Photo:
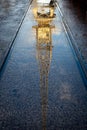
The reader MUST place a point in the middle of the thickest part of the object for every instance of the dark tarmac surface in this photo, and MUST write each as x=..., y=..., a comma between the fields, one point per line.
x=41, y=87
x=11, y=13
x=75, y=14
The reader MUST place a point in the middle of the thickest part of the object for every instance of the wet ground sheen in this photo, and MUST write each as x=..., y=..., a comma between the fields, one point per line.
x=75, y=14
x=41, y=87
x=11, y=13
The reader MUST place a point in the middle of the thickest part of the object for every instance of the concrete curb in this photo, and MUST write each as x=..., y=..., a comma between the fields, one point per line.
x=75, y=47
x=4, y=57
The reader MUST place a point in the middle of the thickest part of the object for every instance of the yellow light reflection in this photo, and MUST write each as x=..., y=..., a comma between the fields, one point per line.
x=44, y=16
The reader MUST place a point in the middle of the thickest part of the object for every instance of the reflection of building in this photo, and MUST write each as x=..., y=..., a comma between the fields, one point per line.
x=44, y=16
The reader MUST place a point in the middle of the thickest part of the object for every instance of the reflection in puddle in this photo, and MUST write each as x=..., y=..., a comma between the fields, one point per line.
x=44, y=15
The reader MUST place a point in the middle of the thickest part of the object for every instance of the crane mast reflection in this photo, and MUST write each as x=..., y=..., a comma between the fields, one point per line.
x=44, y=15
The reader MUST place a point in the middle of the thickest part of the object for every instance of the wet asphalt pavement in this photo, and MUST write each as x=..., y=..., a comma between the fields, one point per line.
x=75, y=15
x=41, y=87
x=11, y=13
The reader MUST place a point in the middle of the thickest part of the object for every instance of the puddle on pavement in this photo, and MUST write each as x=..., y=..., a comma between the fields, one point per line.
x=44, y=14
x=26, y=103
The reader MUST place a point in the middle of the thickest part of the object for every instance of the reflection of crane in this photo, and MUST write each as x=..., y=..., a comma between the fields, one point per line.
x=44, y=64
x=44, y=55
x=44, y=52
